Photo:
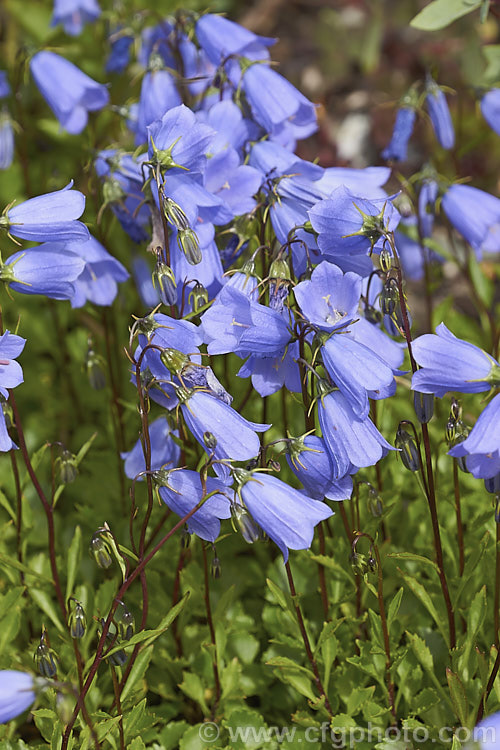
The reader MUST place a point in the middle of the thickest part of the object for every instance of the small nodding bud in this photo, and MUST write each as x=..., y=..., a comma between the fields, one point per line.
x=451, y=430
x=375, y=503
x=373, y=315
x=372, y=564
x=95, y=366
x=174, y=360
x=497, y=509
x=493, y=484
x=389, y=297
x=100, y=551
x=210, y=440
x=68, y=467
x=409, y=452
x=274, y=464
x=77, y=621
x=112, y=191
x=188, y=243
x=164, y=282
x=358, y=562
x=119, y=658
x=385, y=259
x=7, y=413
x=279, y=269
x=424, y=406
x=45, y=658
x=198, y=296
x=185, y=538
x=250, y=531
x=216, y=568
x=125, y=622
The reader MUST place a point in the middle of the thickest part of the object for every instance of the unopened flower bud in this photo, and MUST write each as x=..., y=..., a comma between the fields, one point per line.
x=385, y=259
x=198, y=296
x=216, y=568
x=210, y=440
x=95, y=367
x=77, y=621
x=373, y=315
x=174, y=360
x=493, y=484
x=250, y=531
x=164, y=282
x=125, y=622
x=279, y=269
x=389, y=297
x=45, y=658
x=424, y=406
x=174, y=214
x=409, y=452
x=7, y=413
x=119, y=658
x=68, y=468
x=358, y=562
x=188, y=243
x=112, y=191
x=185, y=538
x=375, y=503
x=100, y=551
x=372, y=564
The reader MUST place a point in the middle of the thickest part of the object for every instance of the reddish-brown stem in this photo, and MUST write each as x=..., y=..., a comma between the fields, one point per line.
x=19, y=511
x=116, y=689
x=496, y=614
x=321, y=571
x=175, y=599
x=208, y=609
x=489, y=687
x=305, y=638
x=458, y=512
x=105, y=628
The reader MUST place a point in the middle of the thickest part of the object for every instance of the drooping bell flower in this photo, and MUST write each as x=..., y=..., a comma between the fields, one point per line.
x=6, y=140
x=98, y=282
x=219, y=38
x=49, y=217
x=69, y=92
x=73, y=14
x=286, y=515
x=47, y=269
x=181, y=490
x=476, y=215
x=448, y=363
x=481, y=449
x=308, y=458
x=439, y=114
x=397, y=149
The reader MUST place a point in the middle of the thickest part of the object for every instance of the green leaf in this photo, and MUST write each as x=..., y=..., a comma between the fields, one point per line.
x=193, y=687
x=470, y=565
x=458, y=697
x=74, y=557
x=137, y=672
x=286, y=663
x=13, y=563
x=46, y=604
x=8, y=507
x=422, y=594
x=476, y=613
x=137, y=744
x=440, y=13
x=415, y=558
x=394, y=607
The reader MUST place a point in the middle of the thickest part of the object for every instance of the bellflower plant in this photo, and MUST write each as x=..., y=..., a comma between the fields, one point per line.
x=69, y=92
x=164, y=451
